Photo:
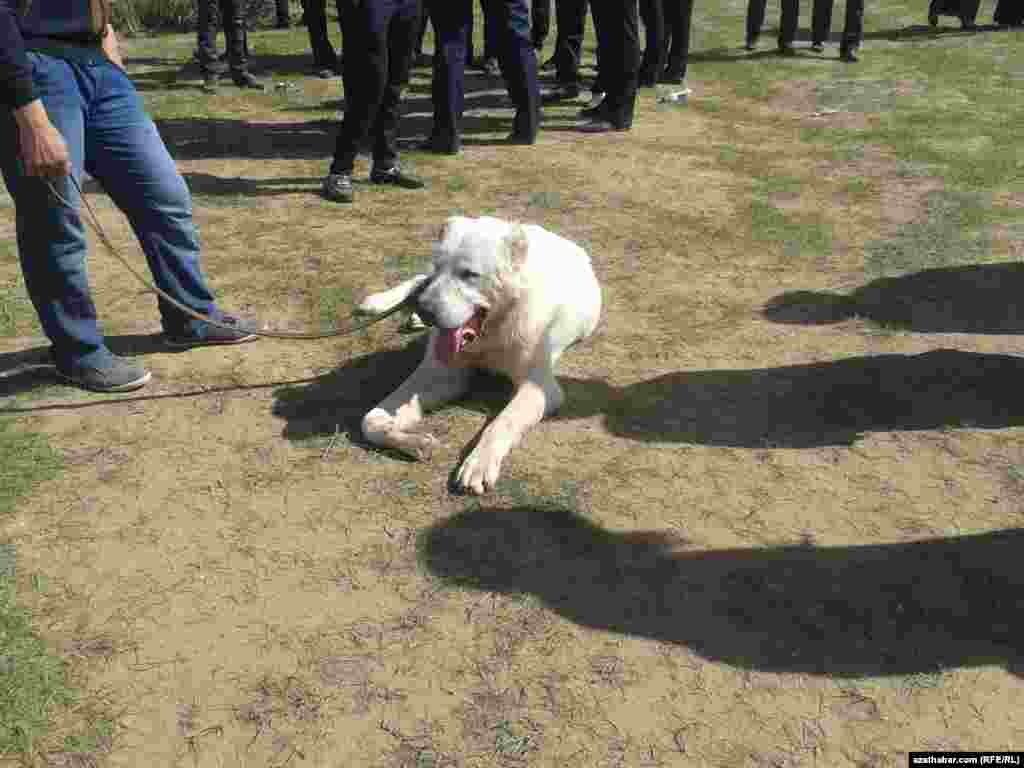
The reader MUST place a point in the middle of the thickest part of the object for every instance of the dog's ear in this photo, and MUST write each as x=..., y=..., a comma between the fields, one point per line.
x=518, y=245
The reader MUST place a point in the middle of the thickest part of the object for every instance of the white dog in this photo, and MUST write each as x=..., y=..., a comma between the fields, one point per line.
x=507, y=298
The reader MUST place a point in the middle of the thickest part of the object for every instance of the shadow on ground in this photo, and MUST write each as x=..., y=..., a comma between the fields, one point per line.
x=802, y=406
x=984, y=298
x=807, y=406
x=855, y=611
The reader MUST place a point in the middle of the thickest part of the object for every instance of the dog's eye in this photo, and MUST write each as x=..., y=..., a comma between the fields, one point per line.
x=468, y=274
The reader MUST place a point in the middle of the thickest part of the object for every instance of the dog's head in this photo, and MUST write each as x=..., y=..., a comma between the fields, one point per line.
x=476, y=266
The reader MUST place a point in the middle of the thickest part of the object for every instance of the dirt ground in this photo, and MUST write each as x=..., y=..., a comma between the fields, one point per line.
x=778, y=522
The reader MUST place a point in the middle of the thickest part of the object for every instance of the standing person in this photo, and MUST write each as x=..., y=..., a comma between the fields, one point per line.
x=788, y=24
x=853, y=28
x=571, y=20
x=678, y=15
x=379, y=39
x=232, y=18
x=653, y=62
x=325, y=59
x=69, y=106
x=517, y=59
x=618, y=42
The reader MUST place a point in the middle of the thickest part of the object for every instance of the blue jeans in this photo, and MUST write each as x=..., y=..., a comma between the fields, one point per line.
x=97, y=110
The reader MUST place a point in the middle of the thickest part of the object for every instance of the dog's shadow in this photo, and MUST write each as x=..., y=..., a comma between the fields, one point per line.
x=851, y=611
x=978, y=298
x=337, y=401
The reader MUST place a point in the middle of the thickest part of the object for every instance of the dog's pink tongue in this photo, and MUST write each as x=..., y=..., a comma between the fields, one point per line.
x=447, y=347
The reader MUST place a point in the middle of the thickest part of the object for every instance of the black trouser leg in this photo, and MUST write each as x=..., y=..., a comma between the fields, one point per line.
x=571, y=18
x=653, y=63
x=447, y=89
x=206, y=36
x=316, y=23
x=402, y=27
x=540, y=22
x=678, y=18
x=364, y=73
x=518, y=62
x=853, y=26
x=618, y=37
x=821, y=21
x=233, y=19
x=789, y=22
x=756, y=10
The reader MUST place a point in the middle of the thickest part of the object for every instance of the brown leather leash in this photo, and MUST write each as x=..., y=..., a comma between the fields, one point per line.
x=93, y=221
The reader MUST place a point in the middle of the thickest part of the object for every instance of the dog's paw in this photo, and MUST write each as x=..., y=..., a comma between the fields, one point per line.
x=420, y=446
x=479, y=472
x=375, y=304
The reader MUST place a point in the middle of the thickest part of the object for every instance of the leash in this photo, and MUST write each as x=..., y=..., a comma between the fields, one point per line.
x=93, y=221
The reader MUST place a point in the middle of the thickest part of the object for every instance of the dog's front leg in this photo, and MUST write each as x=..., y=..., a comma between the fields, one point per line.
x=379, y=303
x=391, y=423
x=535, y=397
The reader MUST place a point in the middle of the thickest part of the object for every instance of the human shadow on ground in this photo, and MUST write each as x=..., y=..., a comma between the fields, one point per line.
x=831, y=403
x=982, y=298
x=851, y=611
x=212, y=138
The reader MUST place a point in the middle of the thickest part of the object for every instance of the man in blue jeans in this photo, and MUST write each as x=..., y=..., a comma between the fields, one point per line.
x=68, y=106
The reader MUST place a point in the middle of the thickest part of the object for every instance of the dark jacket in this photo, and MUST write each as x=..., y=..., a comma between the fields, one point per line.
x=24, y=23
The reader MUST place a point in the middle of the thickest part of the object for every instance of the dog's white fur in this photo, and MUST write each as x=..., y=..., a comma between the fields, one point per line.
x=540, y=296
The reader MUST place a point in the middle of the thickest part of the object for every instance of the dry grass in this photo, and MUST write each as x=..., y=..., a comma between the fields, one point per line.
x=765, y=530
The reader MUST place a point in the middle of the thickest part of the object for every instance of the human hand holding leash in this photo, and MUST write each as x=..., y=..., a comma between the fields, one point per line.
x=111, y=49
x=43, y=150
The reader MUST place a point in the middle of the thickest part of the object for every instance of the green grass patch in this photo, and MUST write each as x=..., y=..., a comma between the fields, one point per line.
x=800, y=235
x=952, y=233
x=32, y=680
x=26, y=459
x=334, y=302
x=17, y=315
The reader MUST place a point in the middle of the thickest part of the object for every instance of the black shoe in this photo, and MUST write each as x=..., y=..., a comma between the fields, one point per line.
x=786, y=49
x=672, y=76
x=211, y=81
x=520, y=139
x=601, y=125
x=646, y=81
x=849, y=55
x=395, y=175
x=283, y=24
x=751, y=44
x=559, y=93
x=245, y=79
x=491, y=67
x=440, y=146
x=214, y=335
x=337, y=188
x=595, y=111
x=818, y=47
x=119, y=375
x=549, y=66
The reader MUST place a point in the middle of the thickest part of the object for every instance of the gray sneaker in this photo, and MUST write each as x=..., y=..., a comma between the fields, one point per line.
x=338, y=187
x=120, y=375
